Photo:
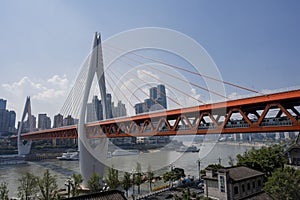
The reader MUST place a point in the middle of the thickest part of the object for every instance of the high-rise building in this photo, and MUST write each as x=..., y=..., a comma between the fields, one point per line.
x=161, y=96
x=29, y=124
x=153, y=93
x=4, y=120
x=58, y=121
x=12, y=121
x=139, y=108
x=109, y=106
x=119, y=110
x=44, y=122
x=157, y=100
x=69, y=120
x=2, y=104
x=94, y=110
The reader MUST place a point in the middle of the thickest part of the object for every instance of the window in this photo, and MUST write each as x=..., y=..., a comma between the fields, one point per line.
x=248, y=186
x=253, y=184
x=236, y=189
x=259, y=183
x=222, y=184
x=243, y=188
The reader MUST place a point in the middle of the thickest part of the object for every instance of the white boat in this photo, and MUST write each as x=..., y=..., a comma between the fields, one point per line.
x=123, y=152
x=188, y=149
x=69, y=155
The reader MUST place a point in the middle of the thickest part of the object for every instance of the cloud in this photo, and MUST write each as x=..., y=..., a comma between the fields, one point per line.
x=46, y=95
x=62, y=82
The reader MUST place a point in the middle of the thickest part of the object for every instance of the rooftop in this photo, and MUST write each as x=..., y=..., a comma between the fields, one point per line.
x=107, y=195
x=238, y=173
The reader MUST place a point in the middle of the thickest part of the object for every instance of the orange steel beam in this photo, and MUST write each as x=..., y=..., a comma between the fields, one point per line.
x=137, y=125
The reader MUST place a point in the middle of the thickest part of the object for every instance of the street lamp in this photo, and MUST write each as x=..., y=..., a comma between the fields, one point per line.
x=199, y=171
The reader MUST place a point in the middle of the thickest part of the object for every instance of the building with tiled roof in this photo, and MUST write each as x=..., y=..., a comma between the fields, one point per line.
x=232, y=183
x=106, y=195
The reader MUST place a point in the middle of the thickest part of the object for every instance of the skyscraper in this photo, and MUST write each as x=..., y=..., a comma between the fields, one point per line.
x=58, y=121
x=12, y=121
x=157, y=100
x=119, y=110
x=153, y=93
x=44, y=122
x=94, y=110
x=161, y=96
x=2, y=104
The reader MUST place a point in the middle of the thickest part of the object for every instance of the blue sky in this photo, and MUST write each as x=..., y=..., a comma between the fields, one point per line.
x=43, y=43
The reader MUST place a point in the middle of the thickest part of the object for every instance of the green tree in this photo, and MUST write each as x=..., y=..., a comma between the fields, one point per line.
x=284, y=184
x=48, y=186
x=150, y=176
x=112, y=178
x=3, y=191
x=28, y=186
x=266, y=159
x=126, y=182
x=77, y=180
x=94, y=183
x=138, y=177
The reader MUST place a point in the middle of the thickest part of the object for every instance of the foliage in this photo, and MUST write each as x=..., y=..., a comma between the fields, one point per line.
x=48, y=186
x=284, y=184
x=266, y=159
x=94, y=183
x=3, y=191
x=187, y=195
x=77, y=178
x=112, y=179
x=126, y=182
x=28, y=186
x=169, y=176
x=215, y=166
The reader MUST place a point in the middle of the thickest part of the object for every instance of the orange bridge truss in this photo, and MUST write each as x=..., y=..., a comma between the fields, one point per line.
x=248, y=115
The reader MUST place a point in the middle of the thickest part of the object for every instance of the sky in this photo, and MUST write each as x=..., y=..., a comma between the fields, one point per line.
x=254, y=43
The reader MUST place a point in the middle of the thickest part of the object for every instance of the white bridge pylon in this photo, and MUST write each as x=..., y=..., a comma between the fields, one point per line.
x=92, y=153
x=25, y=147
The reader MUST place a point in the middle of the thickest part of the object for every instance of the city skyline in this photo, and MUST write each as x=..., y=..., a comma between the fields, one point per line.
x=253, y=44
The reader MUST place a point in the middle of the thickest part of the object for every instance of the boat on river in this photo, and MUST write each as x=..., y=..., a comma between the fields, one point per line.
x=188, y=149
x=69, y=155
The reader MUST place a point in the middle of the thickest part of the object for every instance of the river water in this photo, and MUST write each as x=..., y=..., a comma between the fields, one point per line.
x=159, y=161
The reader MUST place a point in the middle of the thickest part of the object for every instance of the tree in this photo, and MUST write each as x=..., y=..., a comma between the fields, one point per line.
x=150, y=176
x=266, y=159
x=112, y=179
x=77, y=180
x=3, y=191
x=28, y=186
x=138, y=176
x=126, y=182
x=173, y=175
x=169, y=176
x=48, y=186
x=94, y=183
x=284, y=184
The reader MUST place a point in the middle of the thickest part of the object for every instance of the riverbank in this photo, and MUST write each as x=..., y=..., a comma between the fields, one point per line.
x=247, y=144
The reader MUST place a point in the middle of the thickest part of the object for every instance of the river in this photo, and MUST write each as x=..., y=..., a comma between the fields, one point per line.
x=159, y=161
